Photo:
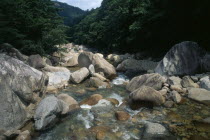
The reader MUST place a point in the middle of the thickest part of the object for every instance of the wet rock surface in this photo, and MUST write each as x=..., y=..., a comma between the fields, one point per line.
x=152, y=80
x=163, y=107
x=47, y=112
x=146, y=94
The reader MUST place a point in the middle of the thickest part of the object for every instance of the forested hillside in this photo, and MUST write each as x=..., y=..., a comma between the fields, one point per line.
x=72, y=15
x=32, y=26
x=146, y=25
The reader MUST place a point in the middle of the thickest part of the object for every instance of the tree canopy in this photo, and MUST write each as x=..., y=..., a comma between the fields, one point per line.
x=32, y=26
x=144, y=25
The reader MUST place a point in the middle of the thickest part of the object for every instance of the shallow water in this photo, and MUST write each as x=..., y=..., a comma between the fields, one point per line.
x=91, y=122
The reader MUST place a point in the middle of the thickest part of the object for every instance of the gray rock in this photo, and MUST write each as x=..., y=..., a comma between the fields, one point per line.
x=173, y=80
x=148, y=94
x=25, y=135
x=155, y=131
x=194, y=78
x=200, y=95
x=79, y=75
x=69, y=103
x=69, y=59
x=176, y=97
x=205, y=83
x=12, y=134
x=99, y=76
x=47, y=61
x=19, y=83
x=117, y=59
x=183, y=59
x=152, y=80
x=177, y=88
x=12, y=112
x=47, y=111
x=206, y=120
x=55, y=60
x=101, y=65
x=163, y=92
x=136, y=65
x=58, y=76
x=200, y=76
x=206, y=63
x=188, y=82
x=100, y=55
x=36, y=61
x=11, y=51
x=96, y=82
x=91, y=69
x=169, y=104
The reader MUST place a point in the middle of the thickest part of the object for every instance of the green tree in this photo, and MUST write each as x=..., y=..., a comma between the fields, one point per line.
x=144, y=25
x=32, y=26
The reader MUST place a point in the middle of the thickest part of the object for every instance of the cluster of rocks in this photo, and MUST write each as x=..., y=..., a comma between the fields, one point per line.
x=25, y=80
x=130, y=65
x=168, y=87
x=158, y=90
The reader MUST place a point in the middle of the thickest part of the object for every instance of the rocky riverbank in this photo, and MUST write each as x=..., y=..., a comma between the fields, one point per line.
x=78, y=94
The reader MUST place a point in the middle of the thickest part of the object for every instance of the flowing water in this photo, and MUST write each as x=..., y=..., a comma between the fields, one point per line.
x=97, y=121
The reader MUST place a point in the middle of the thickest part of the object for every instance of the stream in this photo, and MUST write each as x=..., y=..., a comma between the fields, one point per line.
x=94, y=122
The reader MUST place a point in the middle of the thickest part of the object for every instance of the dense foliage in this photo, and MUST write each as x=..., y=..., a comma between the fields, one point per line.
x=148, y=25
x=32, y=26
x=72, y=15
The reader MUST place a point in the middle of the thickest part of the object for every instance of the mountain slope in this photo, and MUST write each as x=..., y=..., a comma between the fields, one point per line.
x=144, y=25
x=72, y=15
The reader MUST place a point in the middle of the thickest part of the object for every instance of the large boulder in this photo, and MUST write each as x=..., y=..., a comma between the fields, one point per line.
x=183, y=59
x=205, y=82
x=19, y=84
x=136, y=65
x=58, y=76
x=153, y=80
x=11, y=51
x=47, y=112
x=79, y=75
x=146, y=94
x=200, y=95
x=12, y=112
x=206, y=63
x=85, y=59
x=36, y=61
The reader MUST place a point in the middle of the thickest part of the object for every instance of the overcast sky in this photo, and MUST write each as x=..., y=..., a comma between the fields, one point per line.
x=83, y=4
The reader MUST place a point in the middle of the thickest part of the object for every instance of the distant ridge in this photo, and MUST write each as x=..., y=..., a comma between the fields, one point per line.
x=72, y=15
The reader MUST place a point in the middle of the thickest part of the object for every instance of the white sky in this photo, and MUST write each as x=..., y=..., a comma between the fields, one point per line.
x=83, y=4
